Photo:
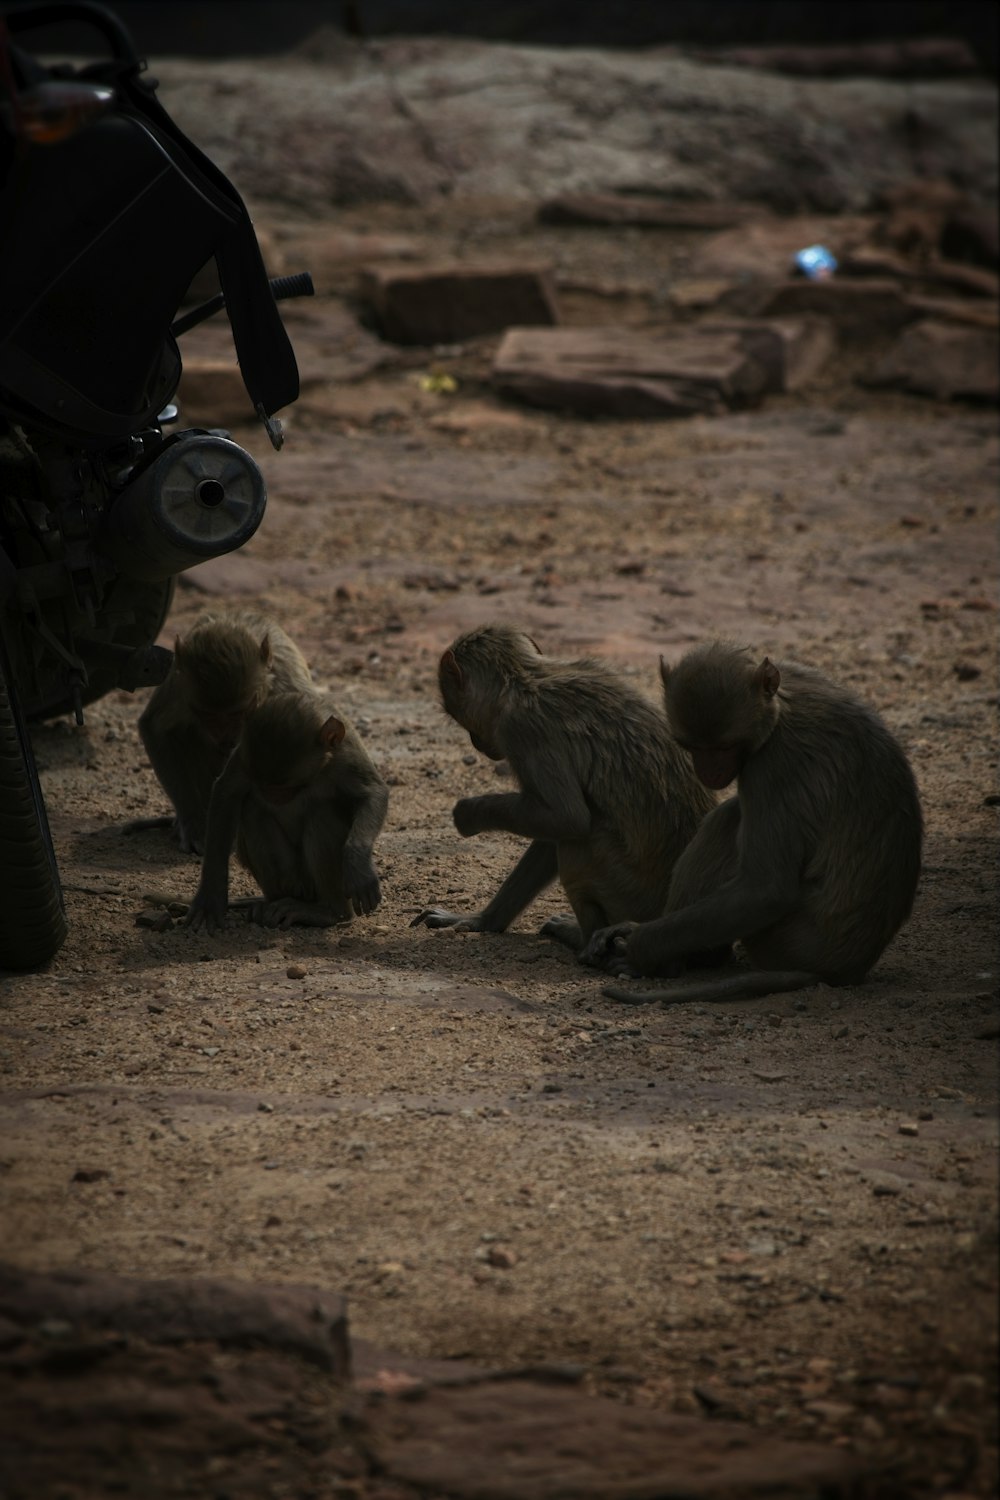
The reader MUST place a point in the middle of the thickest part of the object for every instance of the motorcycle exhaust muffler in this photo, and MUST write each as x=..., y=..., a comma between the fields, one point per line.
x=203, y=495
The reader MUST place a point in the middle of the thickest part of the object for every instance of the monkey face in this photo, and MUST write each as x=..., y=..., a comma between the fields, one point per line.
x=716, y=767
x=223, y=726
x=484, y=747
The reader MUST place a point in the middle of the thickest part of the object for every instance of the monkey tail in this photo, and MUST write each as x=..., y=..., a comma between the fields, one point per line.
x=747, y=986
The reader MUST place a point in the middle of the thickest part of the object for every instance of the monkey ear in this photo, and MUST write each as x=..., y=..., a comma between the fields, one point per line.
x=450, y=668
x=537, y=647
x=664, y=670
x=767, y=678
x=265, y=650
x=332, y=732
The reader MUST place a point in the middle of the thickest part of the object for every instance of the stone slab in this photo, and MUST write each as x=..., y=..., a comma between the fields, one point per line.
x=447, y=304
x=945, y=360
x=532, y=1440
x=642, y=373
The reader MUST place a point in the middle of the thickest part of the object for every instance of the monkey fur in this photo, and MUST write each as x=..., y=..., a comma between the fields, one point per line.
x=812, y=866
x=606, y=798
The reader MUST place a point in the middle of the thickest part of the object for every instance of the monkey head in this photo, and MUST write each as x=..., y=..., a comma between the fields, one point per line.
x=287, y=745
x=475, y=675
x=721, y=708
x=224, y=672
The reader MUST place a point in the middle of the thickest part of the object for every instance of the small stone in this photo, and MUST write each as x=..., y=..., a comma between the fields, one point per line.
x=908, y=1127
x=156, y=921
x=265, y=1109
x=829, y=1411
x=885, y=1190
x=89, y=1174
x=502, y=1257
x=295, y=971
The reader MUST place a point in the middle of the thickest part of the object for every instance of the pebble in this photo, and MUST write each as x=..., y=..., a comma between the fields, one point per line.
x=502, y=1257
x=907, y=1127
x=295, y=971
x=829, y=1411
x=156, y=921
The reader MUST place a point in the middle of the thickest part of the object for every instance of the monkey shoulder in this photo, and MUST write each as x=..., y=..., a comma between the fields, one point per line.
x=357, y=769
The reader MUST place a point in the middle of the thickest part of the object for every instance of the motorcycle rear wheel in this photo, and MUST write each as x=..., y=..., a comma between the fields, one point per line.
x=32, y=916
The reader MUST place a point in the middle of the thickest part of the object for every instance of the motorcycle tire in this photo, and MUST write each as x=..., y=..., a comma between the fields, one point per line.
x=32, y=915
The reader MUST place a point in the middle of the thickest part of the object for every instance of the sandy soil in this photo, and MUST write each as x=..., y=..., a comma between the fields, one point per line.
x=779, y=1210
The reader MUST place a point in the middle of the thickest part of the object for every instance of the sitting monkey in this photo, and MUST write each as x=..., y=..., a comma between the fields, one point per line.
x=812, y=866
x=605, y=795
x=222, y=669
x=303, y=803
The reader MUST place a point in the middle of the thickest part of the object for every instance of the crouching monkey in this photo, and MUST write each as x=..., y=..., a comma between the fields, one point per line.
x=606, y=797
x=813, y=865
x=223, y=669
x=303, y=803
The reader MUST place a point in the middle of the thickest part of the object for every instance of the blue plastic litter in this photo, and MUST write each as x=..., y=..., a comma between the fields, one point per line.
x=816, y=262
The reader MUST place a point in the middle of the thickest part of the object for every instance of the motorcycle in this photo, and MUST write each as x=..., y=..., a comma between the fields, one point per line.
x=107, y=214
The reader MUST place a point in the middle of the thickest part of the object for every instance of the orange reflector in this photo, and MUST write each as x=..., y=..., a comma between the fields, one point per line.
x=51, y=112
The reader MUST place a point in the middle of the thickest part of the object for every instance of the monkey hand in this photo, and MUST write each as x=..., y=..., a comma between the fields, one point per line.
x=607, y=948
x=468, y=816
x=207, y=912
x=361, y=885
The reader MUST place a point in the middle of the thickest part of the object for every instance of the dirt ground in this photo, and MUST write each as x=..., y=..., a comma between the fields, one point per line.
x=780, y=1211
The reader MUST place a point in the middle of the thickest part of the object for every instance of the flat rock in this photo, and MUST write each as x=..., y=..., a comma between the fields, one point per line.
x=641, y=373
x=944, y=360
x=112, y=1385
x=792, y=351
x=860, y=310
x=411, y=119
x=643, y=209
x=528, y=1440
x=298, y=1320
x=765, y=248
x=447, y=304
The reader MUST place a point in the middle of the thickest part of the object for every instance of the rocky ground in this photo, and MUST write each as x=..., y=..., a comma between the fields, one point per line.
x=775, y=1215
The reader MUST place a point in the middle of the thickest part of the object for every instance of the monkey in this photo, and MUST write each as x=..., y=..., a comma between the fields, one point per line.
x=223, y=668
x=605, y=796
x=812, y=865
x=303, y=804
